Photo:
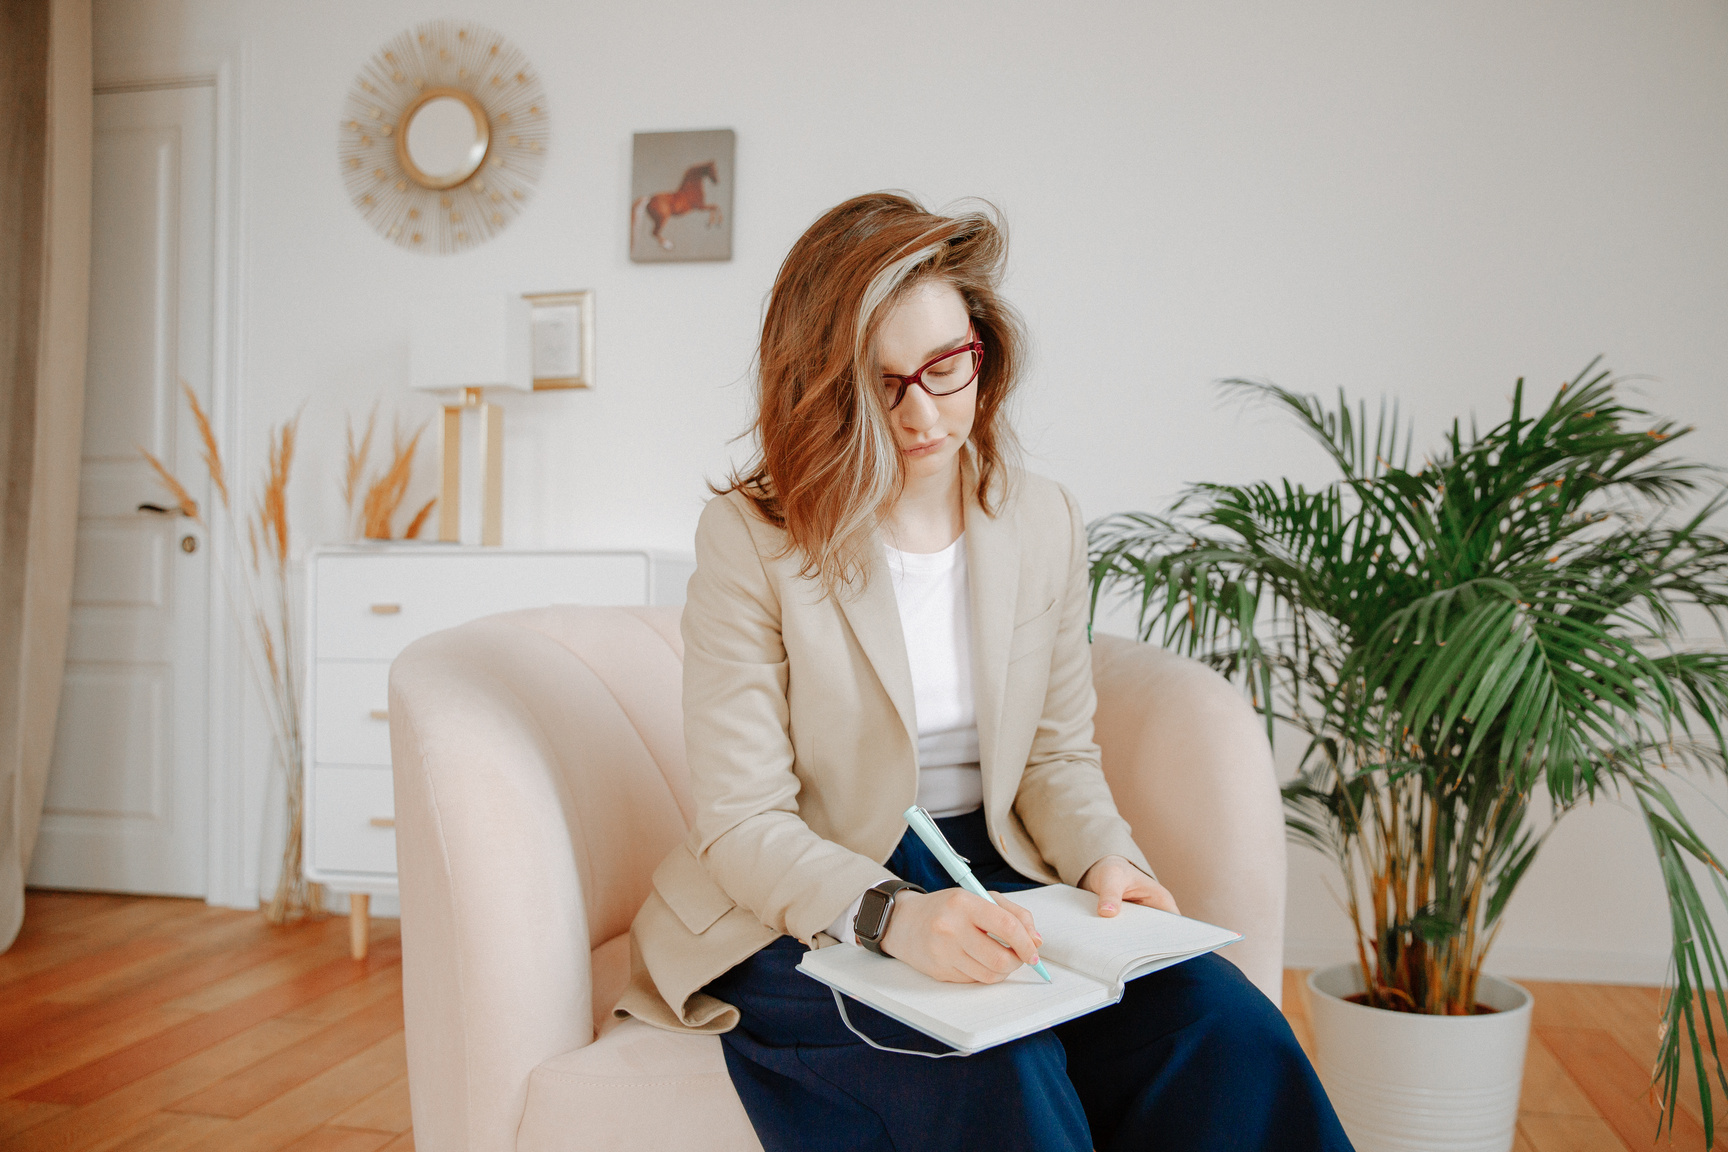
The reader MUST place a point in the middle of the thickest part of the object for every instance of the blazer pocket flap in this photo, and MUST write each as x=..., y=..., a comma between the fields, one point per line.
x=689, y=891
x=1037, y=631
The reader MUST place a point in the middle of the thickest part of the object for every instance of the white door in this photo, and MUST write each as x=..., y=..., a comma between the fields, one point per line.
x=125, y=808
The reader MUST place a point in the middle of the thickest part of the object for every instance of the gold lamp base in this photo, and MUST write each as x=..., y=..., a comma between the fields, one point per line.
x=491, y=470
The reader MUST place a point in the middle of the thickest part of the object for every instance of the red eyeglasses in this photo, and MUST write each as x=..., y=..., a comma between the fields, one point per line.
x=948, y=373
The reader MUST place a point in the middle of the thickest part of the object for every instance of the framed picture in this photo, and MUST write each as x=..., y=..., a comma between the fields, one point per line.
x=563, y=339
x=681, y=196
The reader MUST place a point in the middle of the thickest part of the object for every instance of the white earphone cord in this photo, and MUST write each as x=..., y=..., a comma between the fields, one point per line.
x=840, y=1004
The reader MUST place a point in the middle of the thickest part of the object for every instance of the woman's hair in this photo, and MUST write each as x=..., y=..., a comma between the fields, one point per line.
x=827, y=468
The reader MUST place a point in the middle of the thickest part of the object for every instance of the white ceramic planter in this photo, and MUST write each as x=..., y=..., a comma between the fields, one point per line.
x=1408, y=1083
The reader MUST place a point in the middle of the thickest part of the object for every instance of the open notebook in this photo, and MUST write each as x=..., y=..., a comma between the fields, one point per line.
x=1090, y=958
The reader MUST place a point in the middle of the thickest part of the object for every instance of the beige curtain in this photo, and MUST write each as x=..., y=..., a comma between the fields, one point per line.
x=45, y=145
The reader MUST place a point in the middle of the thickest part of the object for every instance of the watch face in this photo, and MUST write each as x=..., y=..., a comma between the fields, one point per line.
x=871, y=913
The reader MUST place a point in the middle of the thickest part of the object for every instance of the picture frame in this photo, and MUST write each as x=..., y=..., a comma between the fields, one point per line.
x=562, y=342
x=681, y=196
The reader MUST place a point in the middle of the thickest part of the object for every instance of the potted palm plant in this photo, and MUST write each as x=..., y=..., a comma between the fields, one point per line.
x=1461, y=642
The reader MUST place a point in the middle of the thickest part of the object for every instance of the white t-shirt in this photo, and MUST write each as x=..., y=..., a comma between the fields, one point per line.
x=930, y=589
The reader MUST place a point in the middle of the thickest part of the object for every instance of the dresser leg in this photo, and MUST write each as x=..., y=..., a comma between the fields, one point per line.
x=359, y=921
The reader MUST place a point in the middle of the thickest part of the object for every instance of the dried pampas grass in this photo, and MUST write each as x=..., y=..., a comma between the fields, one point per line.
x=380, y=500
x=264, y=608
x=412, y=532
x=354, y=470
x=183, y=501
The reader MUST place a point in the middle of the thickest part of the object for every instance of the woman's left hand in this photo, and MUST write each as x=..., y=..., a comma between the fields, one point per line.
x=1114, y=880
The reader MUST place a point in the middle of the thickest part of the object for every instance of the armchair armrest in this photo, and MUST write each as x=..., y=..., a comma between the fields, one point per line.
x=495, y=962
x=539, y=778
x=1191, y=771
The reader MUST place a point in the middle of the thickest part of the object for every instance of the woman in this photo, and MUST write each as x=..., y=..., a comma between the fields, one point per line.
x=886, y=609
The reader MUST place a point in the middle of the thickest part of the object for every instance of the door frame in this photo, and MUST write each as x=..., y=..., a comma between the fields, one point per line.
x=235, y=798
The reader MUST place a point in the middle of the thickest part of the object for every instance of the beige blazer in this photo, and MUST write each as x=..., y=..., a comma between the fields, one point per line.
x=802, y=742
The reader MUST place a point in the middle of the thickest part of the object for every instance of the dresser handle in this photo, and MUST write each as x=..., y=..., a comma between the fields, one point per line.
x=386, y=609
x=382, y=821
x=380, y=714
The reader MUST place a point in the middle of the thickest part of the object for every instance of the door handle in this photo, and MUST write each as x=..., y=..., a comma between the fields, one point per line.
x=158, y=510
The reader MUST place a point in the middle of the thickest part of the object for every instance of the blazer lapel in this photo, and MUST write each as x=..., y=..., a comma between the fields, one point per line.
x=993, y=576
x=874, y=617
x=993, y=579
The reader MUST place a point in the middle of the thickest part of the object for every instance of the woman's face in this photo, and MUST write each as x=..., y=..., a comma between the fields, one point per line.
x=929, y=430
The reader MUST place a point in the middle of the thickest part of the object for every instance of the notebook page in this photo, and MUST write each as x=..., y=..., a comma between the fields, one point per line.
x=966, y=1016
x=1109, y=947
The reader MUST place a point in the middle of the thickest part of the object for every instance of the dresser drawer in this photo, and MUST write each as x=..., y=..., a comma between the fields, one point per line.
x=353, y=820
x=370, y=607
x=351, y=724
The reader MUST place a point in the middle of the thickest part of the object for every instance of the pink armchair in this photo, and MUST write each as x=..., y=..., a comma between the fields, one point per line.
x=540, y=777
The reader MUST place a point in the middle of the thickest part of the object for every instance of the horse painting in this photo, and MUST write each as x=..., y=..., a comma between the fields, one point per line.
x=689, y=196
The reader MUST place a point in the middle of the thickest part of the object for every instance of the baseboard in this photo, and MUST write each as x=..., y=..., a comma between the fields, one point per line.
x=1645, y=968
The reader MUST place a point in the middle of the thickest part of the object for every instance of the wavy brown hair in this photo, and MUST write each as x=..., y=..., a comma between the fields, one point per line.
x=827, y=468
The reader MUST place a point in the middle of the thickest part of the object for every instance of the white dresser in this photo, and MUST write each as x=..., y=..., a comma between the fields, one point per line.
x=364, y=605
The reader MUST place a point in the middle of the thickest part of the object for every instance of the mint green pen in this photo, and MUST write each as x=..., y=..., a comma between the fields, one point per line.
x=921, y=823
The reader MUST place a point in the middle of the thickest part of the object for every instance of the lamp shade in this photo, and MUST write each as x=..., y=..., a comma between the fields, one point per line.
x=479, y=340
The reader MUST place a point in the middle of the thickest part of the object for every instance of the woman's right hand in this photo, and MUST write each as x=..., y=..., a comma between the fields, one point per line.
x=946, y=935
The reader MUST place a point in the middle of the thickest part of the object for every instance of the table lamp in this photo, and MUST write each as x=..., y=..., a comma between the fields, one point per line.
x=468, y=344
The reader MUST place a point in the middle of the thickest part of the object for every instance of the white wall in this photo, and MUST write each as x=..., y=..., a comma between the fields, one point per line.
x=1423, y=201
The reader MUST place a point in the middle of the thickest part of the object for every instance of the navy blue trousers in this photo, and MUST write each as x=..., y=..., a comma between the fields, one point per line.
x=1194, y=1058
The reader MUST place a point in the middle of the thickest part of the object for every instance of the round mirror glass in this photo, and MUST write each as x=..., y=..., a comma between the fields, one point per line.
x=443, y=140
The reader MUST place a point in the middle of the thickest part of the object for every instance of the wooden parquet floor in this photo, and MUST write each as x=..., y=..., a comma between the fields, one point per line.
x=131, y=1024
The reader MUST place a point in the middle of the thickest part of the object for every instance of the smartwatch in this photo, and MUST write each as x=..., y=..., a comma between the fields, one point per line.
x=877, y=905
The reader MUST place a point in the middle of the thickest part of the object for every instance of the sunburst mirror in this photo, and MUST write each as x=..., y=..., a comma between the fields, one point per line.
x=443, y=136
